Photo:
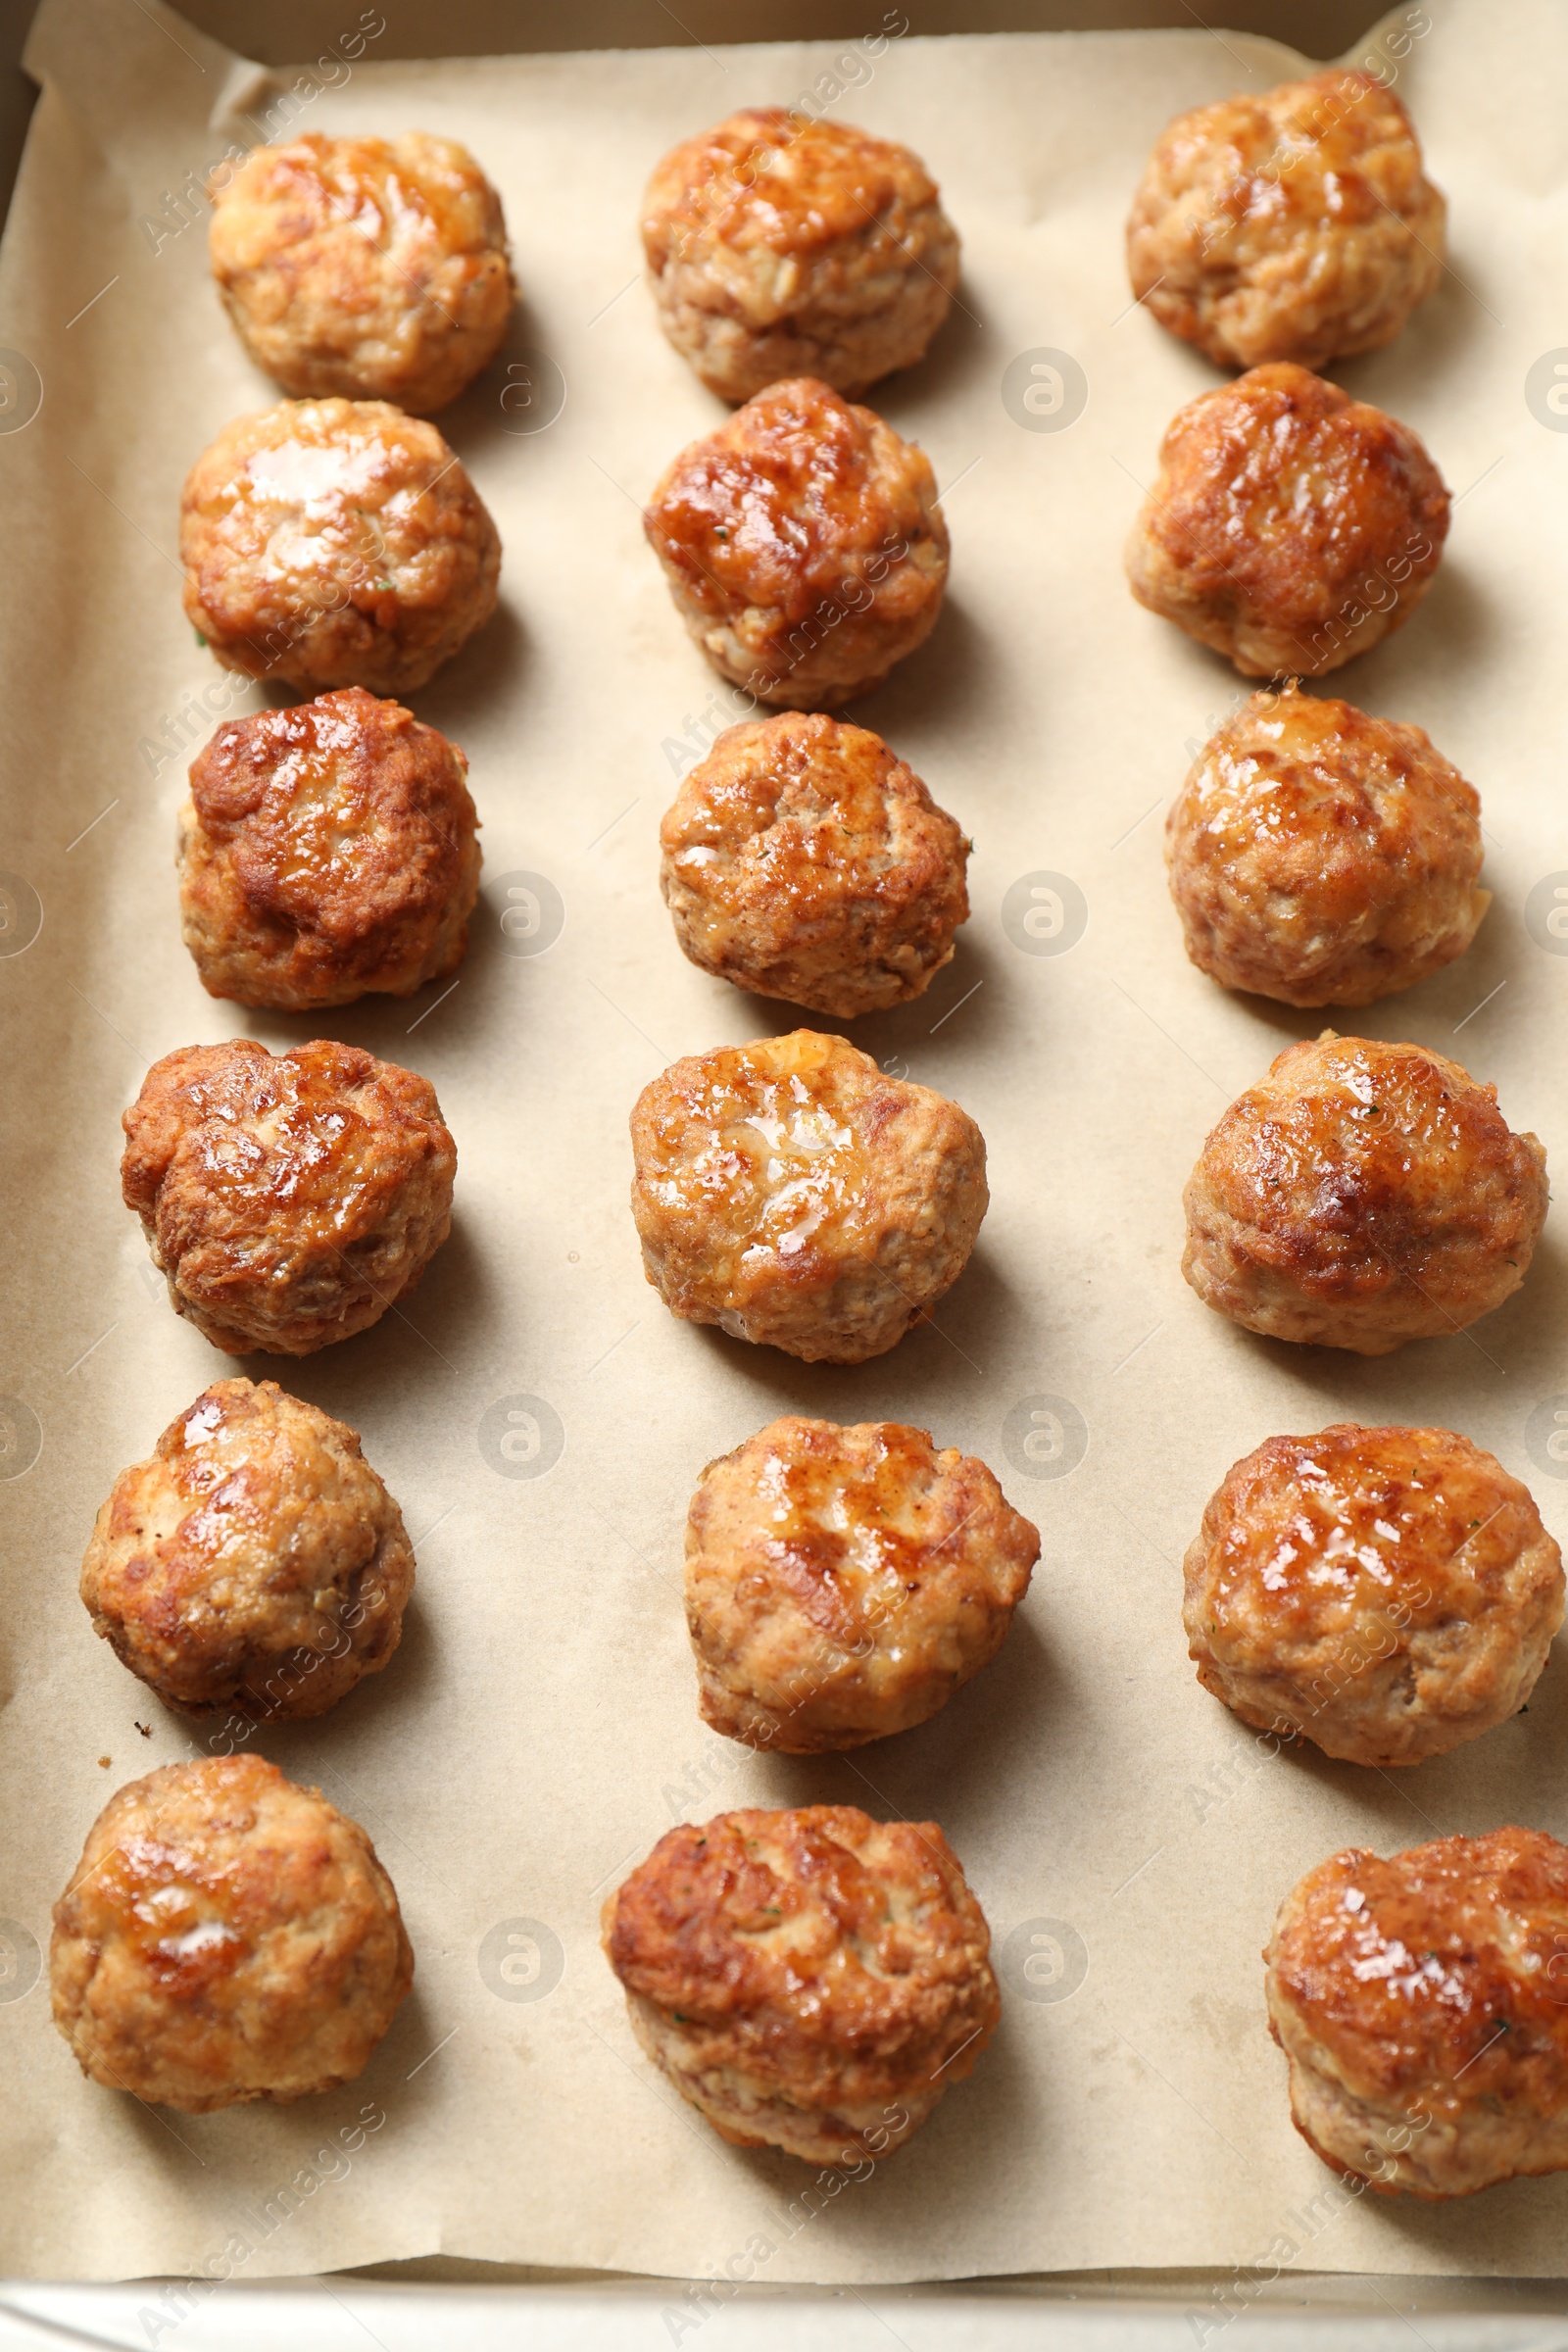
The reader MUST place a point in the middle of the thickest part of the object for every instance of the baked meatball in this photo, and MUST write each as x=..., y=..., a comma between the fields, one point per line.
x=226, y=1936
x=326, y=850
x=369, y=268
x=256, y=1562
x=1390, y=1592
x=335, y=543
x=840, y=1583
x=1296, y=226
x=802, y=860
x=1321, y=857
x=1290, y=527
x=779, y=245
x=789, y=1193
x=803, y=546
x=290, y=1200
x=1360, y=1196
x=811, y=1980
x=1422, y=2004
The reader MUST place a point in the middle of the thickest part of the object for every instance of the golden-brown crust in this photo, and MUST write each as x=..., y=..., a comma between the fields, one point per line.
x=1321, y=857
x=1363, y=1194
x=363, y=269
x=778, y=246
x=803, y=546
x=1296, y=225
x=327, y=849
x=335, y=543
x=255, y=1562
x=811, y=1978
x=1389, y=1592
x=289, y=1200
x=1290, y=527
x=226, y=1936
x=791, y=1193
x=842, y=1583
x=1422, y=2003
x=802, y=860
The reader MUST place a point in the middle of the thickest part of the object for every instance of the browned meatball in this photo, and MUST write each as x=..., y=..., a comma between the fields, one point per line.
x=1321, y=857
x=289, y=1200
x=335, y=543
x=1390, y=1592
x=1290, y=527
x=802, y=860
x=789, y=1193
x=373, y=269
x=226, y=1936
x=779, y=245
x=840, y=1583
x=1422, y=2003
x=803, y=546
x=254, y=1562
x=1360, y=1196
x=1294, y=225
x=812, y=1981
x=326, y=850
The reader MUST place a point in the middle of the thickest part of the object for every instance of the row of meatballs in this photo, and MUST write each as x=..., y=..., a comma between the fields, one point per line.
x=812, y=1978
x=1316, y=854
x=341, y=542
x=1363, y=1195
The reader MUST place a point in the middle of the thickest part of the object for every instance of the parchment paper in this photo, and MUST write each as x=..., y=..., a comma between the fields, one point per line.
x=538, y=1731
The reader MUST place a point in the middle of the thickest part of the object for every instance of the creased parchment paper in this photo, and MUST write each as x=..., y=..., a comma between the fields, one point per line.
x=538, y=1730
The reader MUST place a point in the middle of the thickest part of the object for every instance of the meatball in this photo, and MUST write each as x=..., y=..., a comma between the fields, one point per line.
x=369, y=269
x=789, y=1193
x=289, y=1200
x=335, y=543
x=1296, y=226
x=779, y=245
x=1321, y=857
x=803, y=546
x=1422, y=2004
x=1360, y=1196
x=326, y=850
x=1290, y=527
x=840, y=1583
x=1390, y=1592
x=811, y=1980
x=226, y=1936
x=256, y=1562
x=802, y=860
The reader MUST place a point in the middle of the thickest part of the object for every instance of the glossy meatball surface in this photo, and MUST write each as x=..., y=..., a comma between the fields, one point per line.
x=802, y=860
x=1362, y=1195
x=803, y=546
x=842, y=1583
x=367, y=268
x=326, y=850
x=226, y=1936
x=1321, y=857
x=792, y=1194
x=1422, y=2004
x=778, y=245
x=335, y=543
x=810, y=1979
x=255, y=1562
x=1290, y=527
x=290, y=1200
x=1390, y=1592
x=1298, y=225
